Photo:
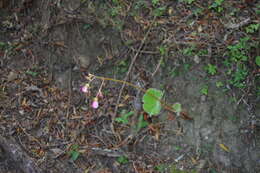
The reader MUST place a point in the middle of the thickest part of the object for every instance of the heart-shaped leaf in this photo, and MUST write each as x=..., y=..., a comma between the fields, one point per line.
x=151, y=101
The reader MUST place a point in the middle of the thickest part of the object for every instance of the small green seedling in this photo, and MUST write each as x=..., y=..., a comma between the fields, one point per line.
x=217, y=5
x=122, y=160
x=32, y=73
x=186, y=67
x=87, y=26
x=238, y=51
x=151, y=101
x=161, y=168
x=155, y=2
x=163, y=50
x=252, y=28
x=141, y=123
x=74, y=153
x=219, y=84
x=124, y=117
x=211, y=69
x=239, y=76
x=204, y=90
x=177, y=148
x=159, y=11
x=188, y=51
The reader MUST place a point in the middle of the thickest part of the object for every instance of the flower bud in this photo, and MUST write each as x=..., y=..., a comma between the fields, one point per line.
x=95, y=103
x=85, y=88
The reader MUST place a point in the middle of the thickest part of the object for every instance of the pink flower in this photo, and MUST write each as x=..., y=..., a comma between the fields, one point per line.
x=85, y=88
x=95, y=103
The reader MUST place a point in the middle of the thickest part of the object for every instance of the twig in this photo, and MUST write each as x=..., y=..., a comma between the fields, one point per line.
x=144, y=51
x=130, y=68
x=237, y=25
x=158, y=66
x=127, y=75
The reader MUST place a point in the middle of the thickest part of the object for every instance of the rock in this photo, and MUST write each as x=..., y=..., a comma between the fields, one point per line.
x=83, y=61
x=12, y=76
x=196, y=59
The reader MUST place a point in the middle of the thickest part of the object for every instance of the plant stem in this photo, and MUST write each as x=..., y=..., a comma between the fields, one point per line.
x=121, y=81
x=164, y=104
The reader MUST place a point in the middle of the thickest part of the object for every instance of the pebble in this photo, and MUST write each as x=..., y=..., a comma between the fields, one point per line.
x=12, y=76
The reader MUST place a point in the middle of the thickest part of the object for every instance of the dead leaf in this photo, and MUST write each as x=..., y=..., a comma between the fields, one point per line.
x=56, y=151
x=200, y=28
x=194, y=161
x=121, y=105
x=126, y=97
x=225, y=148
x=60, y=44
x=185, y=116
x=171, y=117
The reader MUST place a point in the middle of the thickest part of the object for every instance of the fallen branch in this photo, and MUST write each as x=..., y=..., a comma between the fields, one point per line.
x=237, y=25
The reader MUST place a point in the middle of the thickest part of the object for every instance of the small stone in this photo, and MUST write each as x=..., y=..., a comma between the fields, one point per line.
x=203, y=98
x=12, y=76
x=84, y=61
x=56, y=151
x=197, y=59
x=21, y=112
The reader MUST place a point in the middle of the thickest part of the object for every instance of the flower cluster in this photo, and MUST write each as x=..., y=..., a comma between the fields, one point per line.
x=86, y=89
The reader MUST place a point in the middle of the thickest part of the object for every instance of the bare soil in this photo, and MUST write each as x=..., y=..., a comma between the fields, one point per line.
x=51, y=46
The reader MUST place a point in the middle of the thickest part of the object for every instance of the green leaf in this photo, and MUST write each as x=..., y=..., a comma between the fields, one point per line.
x=219, y=84
x=122, y=160
x=177, y=148
x=161, y=168
x=177, y=107
x=31, y=73
x=151, y=101
x=87, y=26
x=162, y=50
x=74, y=155
x=257, y=60
x=204, y=90
x=124, y=117
x=159, y=11
x=141, y=123
x=155, y=2
x=211, y=69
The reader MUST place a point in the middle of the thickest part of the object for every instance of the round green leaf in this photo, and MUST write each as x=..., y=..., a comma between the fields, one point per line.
x=151, y=101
